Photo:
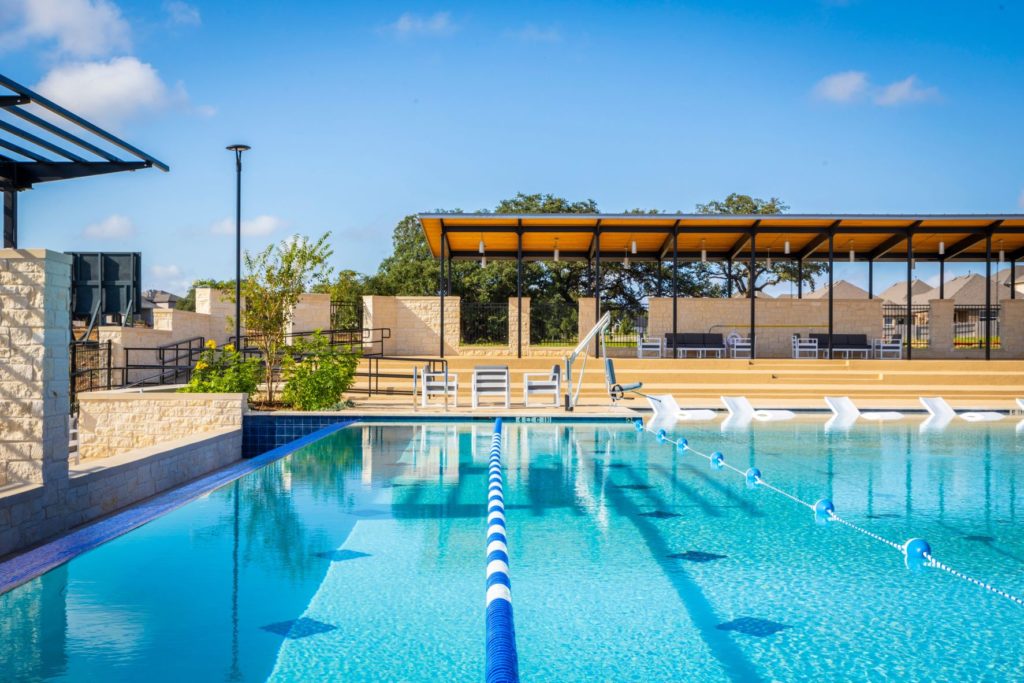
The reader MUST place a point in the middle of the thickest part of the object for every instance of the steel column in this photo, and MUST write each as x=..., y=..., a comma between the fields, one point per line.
x=799, y=278
x=988, y=296
x=519, y=291
x=871, y=278
x=831, y=294
x=10, y=217
x=1013, y=278
x=675, y=289
x=728, y=278
x=597, y=285
x=910, y=294
x=441, y=285
x=942, y=278
x=660, y=273
x=753, y=298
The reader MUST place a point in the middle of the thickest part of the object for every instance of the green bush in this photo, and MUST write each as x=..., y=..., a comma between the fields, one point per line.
x=224, y=371
x=316, y=374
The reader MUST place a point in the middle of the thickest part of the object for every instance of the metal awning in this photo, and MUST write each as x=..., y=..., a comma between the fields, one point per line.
x=934, y=237
x=40, y=141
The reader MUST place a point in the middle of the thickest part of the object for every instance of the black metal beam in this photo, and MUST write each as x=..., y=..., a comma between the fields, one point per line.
x=831, y=293
x=673, y=238
x=885, y=247
x=13, y=100
x=519, y=290
x=61, y=133
x=910, y=295
x=737, y=246
x=440, y=291
x=1016, y=255
x=10, y=218
x=752, y=281
x=31, y=173
x=27, y=153
x=988, y=297
x=963, y=245
x=812, y=245
x=40, y=142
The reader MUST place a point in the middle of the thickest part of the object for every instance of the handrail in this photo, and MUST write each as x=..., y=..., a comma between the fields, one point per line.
x=571, y=395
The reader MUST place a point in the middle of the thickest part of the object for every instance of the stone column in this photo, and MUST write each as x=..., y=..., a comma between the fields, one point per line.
x=513, y=325
x=35, y=287
x=1011, y=328
x=940, y=328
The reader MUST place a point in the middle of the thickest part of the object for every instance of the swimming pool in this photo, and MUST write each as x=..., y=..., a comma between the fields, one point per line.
x=360, y=558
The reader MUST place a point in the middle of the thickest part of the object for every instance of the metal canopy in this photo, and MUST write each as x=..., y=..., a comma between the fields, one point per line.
x=724, y=237
x=40, y=141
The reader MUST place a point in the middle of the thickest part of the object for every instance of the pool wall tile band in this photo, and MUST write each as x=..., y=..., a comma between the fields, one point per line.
x=37, y=561
x=502, y=660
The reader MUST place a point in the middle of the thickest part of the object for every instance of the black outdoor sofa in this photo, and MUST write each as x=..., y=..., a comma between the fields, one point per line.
x=701, y=343
x=845, y=344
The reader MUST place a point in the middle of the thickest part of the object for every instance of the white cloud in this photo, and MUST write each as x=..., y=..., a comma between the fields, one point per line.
x=80, y=28
x=906, y=91
x=437, y=24
x=846, y=86
x=181, y=13
x=538, y=34
x=165, y=272
x=111, y=92
x=260, y=226
x=855, y=86
x=170, y=278
x=112, y=227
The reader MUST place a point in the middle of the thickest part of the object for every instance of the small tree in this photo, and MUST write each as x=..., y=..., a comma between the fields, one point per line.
x=275, y=279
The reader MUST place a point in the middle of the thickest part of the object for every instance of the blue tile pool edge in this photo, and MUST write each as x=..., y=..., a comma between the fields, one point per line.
x=37, y=561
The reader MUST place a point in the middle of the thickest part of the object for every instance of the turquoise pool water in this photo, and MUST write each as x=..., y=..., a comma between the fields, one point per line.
x=360, y=558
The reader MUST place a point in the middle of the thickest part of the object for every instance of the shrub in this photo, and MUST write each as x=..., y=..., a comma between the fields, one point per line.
x=224, y=371
x=316, y=374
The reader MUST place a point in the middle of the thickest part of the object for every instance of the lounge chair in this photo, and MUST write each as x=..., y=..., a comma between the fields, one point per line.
x=739, y=407
x=543, y=383
x=434, y=385
x=845, y=410
x=617, y=391
x=665, y=407
x=491, y=380
x=939, y=409
x=1020, y=403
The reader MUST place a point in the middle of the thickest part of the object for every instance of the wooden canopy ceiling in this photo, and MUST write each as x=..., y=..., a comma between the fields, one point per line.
x=723, y=237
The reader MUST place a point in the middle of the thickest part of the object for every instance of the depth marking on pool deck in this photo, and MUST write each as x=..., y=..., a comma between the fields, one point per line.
x=38, y=561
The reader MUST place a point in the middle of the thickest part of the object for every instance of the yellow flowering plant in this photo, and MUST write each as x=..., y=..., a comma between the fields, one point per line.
x=223, y=371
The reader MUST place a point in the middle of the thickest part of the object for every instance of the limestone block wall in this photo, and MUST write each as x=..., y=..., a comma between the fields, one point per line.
x=187, y=324
x=35, y=325
x=313, y=312
x=415, y=323
x=586, y=320
x=115, y=422
x=212, y=302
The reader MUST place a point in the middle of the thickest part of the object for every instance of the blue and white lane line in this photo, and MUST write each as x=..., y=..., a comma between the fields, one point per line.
x=502, y=660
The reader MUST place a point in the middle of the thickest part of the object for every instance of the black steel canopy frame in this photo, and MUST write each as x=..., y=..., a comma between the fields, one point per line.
x=52, y=145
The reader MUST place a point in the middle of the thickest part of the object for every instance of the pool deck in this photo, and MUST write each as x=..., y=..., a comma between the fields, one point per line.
x=699, y=383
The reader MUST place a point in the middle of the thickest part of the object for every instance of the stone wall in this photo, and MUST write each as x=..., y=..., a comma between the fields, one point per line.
x=96, y=488
x=313, y=312
x=415, y=322
x=941, y=313
x=35, y=286
x=114, y=422
x=212, y=302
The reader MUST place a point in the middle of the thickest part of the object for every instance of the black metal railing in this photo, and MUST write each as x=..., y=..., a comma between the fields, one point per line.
x=347, y=315
x=484, y=324
x=894, y=322
x=628, y=326
x=373, y=374
x=969, y=326
x=554, y=323
x=90, y=367
x=365, y=342
x=168, y=364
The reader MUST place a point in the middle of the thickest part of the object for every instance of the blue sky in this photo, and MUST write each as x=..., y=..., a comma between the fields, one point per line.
x=360, y=113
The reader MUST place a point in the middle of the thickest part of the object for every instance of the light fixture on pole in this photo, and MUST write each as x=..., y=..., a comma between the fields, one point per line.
x=942, y=248
x=703, y=252
x=769, y=257
x=625, y=260
x=483, y=252
x=852, y=254
x=480, y=247
x=1002, y=253
x=632, y=247
x=785, y=247
x=238, y=150
x=556, y=250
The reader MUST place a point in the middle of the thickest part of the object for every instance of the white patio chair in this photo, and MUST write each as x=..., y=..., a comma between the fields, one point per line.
x=491, y=380
x=939, y=409
x=739, y=347
x=804, y=347
x=891, y=348
x=739, y=408
x=537, y=383
x=434, y=384
x=647, y=345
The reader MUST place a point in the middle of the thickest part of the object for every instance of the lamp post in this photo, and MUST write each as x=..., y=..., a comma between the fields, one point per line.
x=238, y=149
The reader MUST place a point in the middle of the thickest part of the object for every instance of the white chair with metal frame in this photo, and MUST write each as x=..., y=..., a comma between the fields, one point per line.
x=893, y=347
x=543, y=383
x=437, y=384
x=739, y=347
x=649, y=344
x=491, y=380
x=804, y=347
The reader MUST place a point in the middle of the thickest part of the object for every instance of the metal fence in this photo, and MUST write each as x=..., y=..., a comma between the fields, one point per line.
x=484, y=324
x=969, y=326
x=554, y=323
x=346, y=315
x=90, y=367
x=628, y=325
x=894, y=322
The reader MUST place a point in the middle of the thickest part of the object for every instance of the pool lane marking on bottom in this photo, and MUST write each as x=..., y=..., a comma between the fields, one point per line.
x=502, y=660
x=28, y=565
x=916, y=551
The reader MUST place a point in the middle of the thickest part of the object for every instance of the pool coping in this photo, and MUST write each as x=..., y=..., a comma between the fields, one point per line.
x=33, y=563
